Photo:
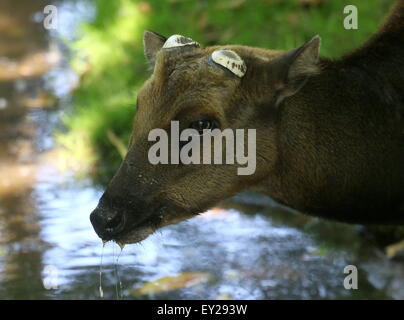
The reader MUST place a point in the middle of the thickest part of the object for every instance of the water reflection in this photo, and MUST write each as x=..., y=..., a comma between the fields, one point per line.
x=22, y=57
x=250, y=247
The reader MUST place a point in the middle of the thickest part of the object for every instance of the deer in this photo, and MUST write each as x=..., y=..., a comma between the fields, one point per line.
x=329, y=132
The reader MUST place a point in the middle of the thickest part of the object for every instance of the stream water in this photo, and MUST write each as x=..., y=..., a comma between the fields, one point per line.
x=248, y=247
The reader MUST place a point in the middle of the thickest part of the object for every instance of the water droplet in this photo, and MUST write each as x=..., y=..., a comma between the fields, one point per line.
x=121, y=245
x=102, y=255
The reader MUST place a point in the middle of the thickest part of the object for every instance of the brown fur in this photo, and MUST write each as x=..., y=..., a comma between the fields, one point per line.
x=330, y=134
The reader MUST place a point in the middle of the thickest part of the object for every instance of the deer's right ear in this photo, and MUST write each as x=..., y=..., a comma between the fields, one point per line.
x=295, y=67
x=152, y=43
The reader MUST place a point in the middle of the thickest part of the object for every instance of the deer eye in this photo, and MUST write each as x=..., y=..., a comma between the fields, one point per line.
x=201, y=125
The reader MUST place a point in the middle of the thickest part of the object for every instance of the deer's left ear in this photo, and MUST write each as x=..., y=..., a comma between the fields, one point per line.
x=152, y=43
x=296, y=66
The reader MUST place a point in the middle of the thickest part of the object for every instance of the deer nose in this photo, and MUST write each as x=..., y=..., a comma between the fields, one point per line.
x=107, y=223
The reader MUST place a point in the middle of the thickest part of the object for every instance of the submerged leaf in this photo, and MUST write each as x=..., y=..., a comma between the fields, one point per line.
x=224, y=296
x=165, y=284
x=395, y=249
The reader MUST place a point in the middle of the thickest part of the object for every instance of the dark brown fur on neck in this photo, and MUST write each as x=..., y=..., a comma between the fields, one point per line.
x=341, y=137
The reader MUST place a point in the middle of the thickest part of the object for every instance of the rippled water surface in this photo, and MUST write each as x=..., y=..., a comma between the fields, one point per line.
x=247, y=248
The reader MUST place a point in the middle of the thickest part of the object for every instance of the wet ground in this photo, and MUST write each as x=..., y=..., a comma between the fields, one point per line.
x=246, y=248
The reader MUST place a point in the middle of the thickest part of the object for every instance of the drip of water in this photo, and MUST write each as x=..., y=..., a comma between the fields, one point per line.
x=121, y=245
x=118, y=286
x=117, y=260
x=115, y=272
x=102, y=255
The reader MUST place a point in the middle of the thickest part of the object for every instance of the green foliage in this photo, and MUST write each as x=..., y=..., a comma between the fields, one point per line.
x=109, y=54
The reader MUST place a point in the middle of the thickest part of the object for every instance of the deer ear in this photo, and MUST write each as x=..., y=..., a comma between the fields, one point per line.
x=152, y=43
x=296, y=66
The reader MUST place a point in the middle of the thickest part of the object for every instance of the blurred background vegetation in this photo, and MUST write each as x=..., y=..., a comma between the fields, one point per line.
x=109, y=55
